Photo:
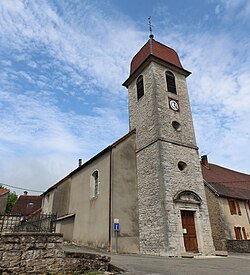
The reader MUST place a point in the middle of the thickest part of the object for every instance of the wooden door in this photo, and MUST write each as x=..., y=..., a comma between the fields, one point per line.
x=189, y=232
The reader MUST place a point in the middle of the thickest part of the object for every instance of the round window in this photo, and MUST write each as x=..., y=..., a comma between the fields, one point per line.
x=176, y=125
x=182, y=165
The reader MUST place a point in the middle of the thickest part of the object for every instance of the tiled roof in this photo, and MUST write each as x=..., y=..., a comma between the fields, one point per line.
x=26, y=205
x=3, y=191
x=39, y=210
x=158, y=50
x=226, y=182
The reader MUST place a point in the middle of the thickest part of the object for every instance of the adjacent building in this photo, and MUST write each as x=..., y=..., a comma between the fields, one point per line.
x=26, y=205
x=144, y=193
x=3, y=199
x=92, y=196
x=228, y=199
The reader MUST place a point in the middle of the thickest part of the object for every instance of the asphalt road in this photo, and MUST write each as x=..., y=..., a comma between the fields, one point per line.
x=141, y=265
x=234, y=264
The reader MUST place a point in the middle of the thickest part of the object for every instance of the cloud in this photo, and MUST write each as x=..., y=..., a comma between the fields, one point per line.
x=233, y=10
x=32, y=64
x=217, y=9
x=36, y=172
x=62, y=65
x=219, y=95
x=104, y=59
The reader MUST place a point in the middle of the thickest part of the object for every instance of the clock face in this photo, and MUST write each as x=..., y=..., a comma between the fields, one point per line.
x=174, y=105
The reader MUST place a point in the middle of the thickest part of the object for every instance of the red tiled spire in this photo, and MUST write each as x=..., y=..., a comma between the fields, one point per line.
x=155, y=49
x=158, y=50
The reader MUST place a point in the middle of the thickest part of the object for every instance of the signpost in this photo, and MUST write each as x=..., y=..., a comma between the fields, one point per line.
x=116, y=227
x=116, y=230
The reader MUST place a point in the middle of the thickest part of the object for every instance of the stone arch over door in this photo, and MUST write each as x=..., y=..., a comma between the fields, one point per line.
x=187, y=196
x=188, y=204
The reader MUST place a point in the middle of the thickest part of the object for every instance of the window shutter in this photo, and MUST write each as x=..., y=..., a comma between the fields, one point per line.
x=244, y=233
x=140, y=87
x=230, y=207
x=238, y=207
x=91, y=187
x=235, y=232
x=98, y=188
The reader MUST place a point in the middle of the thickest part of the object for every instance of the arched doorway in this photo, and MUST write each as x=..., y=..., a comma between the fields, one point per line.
x=188, y=202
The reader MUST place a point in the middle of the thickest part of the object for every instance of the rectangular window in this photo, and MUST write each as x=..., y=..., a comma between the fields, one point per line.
x=140, y=87
x=232, y=207
x=238, y=207
x=237, y=231
x=244, y=233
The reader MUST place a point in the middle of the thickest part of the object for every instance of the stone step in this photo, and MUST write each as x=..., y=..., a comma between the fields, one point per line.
x=221, y=253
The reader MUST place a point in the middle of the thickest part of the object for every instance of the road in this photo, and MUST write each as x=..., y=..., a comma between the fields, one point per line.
x=142, y=265
x=234, y=264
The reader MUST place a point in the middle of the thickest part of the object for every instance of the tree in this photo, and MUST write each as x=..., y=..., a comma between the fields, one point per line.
x=12, y=198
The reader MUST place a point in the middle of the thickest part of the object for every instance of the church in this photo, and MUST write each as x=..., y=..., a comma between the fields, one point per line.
x=145, y=192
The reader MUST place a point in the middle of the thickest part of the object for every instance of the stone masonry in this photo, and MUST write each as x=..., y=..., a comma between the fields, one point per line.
x=218, y=225
x=240, y=246
x=159, y=149
x=41, y=253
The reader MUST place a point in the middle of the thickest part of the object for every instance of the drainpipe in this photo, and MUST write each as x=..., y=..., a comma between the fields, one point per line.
x=110, y=192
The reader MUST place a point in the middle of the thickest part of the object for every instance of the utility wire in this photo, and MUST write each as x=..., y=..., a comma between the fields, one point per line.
x=25, y=189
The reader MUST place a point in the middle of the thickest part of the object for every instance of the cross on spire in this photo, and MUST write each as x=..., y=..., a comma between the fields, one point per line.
x=150, y=28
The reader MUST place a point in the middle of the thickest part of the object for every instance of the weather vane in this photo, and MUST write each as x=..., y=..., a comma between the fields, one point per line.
x=150, y=27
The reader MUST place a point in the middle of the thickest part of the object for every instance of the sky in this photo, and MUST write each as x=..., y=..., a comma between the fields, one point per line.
x=62, y=65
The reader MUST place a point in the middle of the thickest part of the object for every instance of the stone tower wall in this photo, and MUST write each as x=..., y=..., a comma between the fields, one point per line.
x=176, y=181
x=159, y=149
x=142, y=112
x=150, y=115
x=152, y=221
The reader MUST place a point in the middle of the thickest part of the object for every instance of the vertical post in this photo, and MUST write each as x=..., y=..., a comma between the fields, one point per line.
x=110, y=199
x=151, y=36
x=116, y=230
x=116, y=241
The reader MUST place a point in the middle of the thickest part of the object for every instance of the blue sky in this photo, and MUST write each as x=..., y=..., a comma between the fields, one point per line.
x=62, y=64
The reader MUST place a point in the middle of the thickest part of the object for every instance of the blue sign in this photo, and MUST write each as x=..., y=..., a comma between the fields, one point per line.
x=116, y=227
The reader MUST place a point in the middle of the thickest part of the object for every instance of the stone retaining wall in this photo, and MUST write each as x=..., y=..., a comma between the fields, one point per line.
x=242, y=246
x=38, y=253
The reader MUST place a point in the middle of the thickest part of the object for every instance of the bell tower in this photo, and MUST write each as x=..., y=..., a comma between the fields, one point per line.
x=173, y=215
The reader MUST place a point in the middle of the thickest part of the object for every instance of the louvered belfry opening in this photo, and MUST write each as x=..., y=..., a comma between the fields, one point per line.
x=140, y=87
x=170, y=82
